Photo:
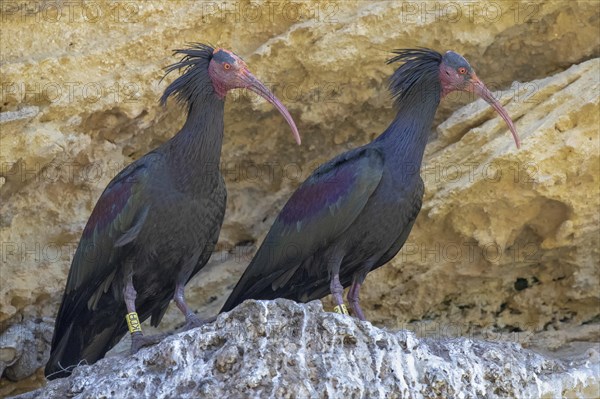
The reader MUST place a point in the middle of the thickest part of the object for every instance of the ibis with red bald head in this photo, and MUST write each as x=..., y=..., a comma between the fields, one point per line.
x=354, y=213
x=156, y=223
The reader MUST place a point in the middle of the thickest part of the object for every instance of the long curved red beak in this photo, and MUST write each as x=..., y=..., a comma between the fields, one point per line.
x=482, y=91
x=253, y=84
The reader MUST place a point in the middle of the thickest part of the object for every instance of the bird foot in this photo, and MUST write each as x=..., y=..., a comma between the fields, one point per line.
x=358, y=313
x=139, y=340
x=192, y=321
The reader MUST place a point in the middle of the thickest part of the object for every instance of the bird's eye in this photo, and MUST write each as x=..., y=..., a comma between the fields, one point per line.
x=462, y=70
x=227, y=66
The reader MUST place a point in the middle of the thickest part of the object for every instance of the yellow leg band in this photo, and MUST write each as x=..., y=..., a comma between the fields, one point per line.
x=133, y=322
x=341, y=309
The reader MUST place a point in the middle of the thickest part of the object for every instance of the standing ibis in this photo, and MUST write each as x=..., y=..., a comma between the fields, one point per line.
x=354, y=213
x=156, y=223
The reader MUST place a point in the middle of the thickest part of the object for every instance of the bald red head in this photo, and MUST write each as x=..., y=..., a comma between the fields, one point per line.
x=227, y=71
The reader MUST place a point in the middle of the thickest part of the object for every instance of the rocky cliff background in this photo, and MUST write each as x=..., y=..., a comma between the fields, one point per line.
x=505, y=247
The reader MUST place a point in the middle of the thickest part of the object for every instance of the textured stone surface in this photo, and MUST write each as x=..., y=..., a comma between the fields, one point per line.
x=24, y=347
x=490, y=255
x=281, y=349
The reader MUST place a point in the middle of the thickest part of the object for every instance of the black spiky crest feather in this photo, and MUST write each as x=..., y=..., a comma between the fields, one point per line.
x=419, y=64
x=195, y=79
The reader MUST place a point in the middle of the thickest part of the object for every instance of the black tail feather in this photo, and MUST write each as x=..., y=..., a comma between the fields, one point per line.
x=86, y=338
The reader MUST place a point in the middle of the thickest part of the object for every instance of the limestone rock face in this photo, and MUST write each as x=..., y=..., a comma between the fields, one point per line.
x=25, y=347
x=282, y=349
x=506, y=243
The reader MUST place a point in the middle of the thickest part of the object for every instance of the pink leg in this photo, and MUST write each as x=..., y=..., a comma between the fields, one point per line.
x=138, y=340
x=191, y=320
x=354, y=299
x=129, y=293
x=337, y=291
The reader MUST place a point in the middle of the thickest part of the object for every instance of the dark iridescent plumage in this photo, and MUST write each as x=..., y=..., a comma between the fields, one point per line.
x=354, y=213
x=158, y=219
x=156, y=223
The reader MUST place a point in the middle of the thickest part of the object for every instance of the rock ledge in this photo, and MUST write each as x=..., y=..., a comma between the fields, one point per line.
x=282, y=349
